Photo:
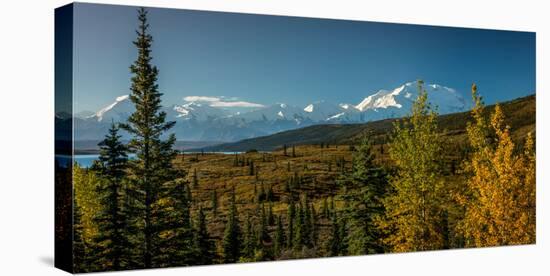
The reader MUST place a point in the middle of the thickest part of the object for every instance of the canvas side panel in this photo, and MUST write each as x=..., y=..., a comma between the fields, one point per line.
x=63, y=137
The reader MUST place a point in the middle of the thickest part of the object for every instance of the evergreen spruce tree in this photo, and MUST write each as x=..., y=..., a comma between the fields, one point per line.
x=249, y=241
x=269, y=195
x=307, y=226
x=204, y=245
x=314, y=227
x=214, y=203
x=176, y=245
x=366, y=187
x=299, y=233
x=270, y=217
x=263, y=231
x=333, y=243
x=280, y=239
x=291, y=215
x=251, y=168
x=344, y=237
x=153, y=165
x=112, y=244
x=232, y=234
x=293, y=151
x=79, y=248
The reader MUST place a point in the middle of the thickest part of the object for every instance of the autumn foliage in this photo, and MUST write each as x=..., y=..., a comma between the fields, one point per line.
x=500, y=195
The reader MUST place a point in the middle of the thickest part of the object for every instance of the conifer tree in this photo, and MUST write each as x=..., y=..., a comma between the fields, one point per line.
x=270, y=217
x=251, y=168
x=280, y=239
x=307, y=226
x=249, y=241
x=263, y=232
x=291, y=214
x=344, y=237
x=414, y=209
x=79, y=248
x=293, y=151
x=333, y=243
x=176, y=245
x=299, y=234
x=205, y=246
x=232, y=234
x=366, y=187
x=314, y=227
x=153, y=165
x=214, y=203
x=112, y=244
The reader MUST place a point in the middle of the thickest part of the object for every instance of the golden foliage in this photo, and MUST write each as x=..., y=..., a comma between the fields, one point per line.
x=414, y=209
x=85, y=183
x=500, y=195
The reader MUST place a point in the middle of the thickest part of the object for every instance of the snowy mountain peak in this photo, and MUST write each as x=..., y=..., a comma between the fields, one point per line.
x=446, y=99
x=309, y=108
x=122, y=105
x=122, y=98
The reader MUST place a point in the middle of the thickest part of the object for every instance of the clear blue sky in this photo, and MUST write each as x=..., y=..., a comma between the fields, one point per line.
x=269, y=59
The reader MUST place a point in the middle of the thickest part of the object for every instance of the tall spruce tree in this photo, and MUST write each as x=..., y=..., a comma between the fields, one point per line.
x=79, y=248
x=214, y=203
x=175, y=245
x=112, y=244
x=366, y=187
x=232, y=234
x=205, y=246
x=249, y=239
x=333, y=242
x=153, y=165
x=280, y=239
x=291, y=215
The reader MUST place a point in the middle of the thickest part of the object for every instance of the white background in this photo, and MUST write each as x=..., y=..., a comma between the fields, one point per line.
x=26, y=136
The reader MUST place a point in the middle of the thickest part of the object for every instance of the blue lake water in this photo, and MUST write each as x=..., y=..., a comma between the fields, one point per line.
x=86, y=160
x=83, y=160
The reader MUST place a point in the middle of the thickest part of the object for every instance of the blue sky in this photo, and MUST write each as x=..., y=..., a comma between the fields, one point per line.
x=271, y=59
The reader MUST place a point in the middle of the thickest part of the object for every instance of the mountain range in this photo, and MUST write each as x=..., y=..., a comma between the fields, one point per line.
x=200, y=120
x=519, y=116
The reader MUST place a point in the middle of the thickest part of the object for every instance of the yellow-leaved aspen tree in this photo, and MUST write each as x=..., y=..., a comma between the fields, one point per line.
x=414, y=217
x=500, y=197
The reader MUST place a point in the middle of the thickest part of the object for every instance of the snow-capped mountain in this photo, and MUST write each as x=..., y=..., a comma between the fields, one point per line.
x=322, y=110
x=198, y=111
x=119, y=110
x=446, y=99
x=202, y=120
